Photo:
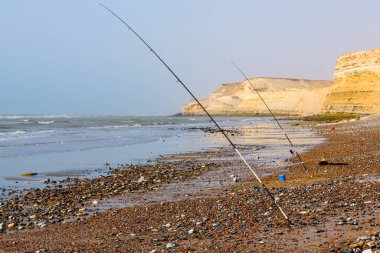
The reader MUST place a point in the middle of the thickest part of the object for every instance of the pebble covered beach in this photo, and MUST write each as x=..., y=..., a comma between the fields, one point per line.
x=199, y=203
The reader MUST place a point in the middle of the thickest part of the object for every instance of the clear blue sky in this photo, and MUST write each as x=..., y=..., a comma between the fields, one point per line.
x=73, y=57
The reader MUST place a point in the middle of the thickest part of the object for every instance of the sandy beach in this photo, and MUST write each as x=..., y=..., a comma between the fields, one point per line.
x=192, y=203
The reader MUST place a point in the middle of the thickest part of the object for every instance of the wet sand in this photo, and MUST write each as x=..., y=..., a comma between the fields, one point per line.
x=190, y=203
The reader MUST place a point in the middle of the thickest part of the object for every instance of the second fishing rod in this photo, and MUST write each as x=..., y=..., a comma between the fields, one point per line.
x=293, y=151
x=274, y=199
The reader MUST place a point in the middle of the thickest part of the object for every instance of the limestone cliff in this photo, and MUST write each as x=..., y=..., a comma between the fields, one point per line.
x=284, y=96
x=356, y=83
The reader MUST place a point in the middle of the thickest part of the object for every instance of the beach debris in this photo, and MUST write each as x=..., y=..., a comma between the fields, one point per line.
x=323, y=161
x=191, y=231
x=28, y=174
x=281, y=177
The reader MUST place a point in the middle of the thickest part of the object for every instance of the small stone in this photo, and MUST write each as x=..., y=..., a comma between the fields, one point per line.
x=11, y=225
x=20, y=227
x=304, y=212
x=95, y=202
x=141, y=179
x=170, y=245
x=42, y=224
x=235, y=179
x=2, y=226
x=168, y=225
x=32, y=216
x=215, y=225
x=357, y=245
x=191, y=231
x=262, y=242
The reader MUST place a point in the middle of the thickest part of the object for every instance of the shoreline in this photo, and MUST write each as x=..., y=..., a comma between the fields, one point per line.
x=233, y=212
x=121, y=143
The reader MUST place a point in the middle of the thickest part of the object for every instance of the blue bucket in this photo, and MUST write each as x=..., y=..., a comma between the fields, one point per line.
x=281, y=178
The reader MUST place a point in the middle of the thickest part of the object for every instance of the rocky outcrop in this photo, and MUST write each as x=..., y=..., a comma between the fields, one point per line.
x=284, y=96
x=356, y=84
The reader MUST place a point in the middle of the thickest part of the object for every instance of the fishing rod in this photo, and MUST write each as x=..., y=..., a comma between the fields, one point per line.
x=274, y=199
x=293, y=150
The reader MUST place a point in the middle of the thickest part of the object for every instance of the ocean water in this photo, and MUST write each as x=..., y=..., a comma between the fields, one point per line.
x=81, y=145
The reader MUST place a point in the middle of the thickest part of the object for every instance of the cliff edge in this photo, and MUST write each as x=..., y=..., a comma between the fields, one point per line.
x=356, y=83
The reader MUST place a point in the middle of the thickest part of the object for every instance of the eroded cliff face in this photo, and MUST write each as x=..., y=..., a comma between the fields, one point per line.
x=355, y=89
x=356, y=83
x=284, y=96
